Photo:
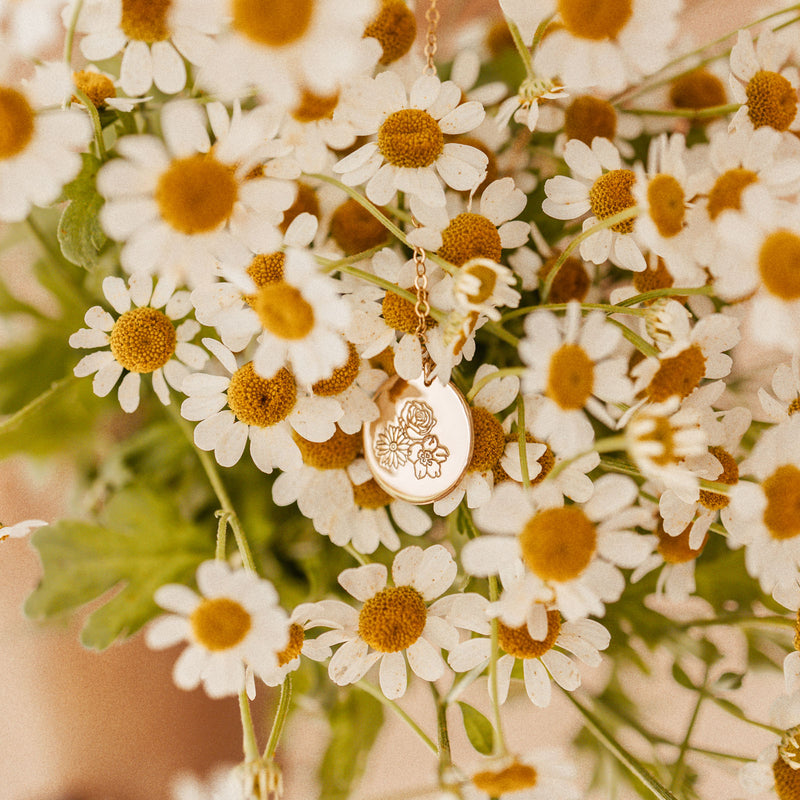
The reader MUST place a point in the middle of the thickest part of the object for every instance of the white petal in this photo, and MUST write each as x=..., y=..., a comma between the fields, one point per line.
x=393, y=675
x=364, y=582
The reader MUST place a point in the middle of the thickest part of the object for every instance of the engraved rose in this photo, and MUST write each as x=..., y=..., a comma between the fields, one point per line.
x=419, y=419
x=427, y=455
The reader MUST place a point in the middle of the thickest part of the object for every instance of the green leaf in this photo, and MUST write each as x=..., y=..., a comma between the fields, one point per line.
x=355, y=722
x=141, y=543
x=728, y=681
x=682, y=678
x=79, y=232
x=478, y=728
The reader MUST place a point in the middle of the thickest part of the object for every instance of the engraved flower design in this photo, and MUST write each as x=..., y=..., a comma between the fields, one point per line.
x=427, y=455
x=392, y=447
x=419, y=418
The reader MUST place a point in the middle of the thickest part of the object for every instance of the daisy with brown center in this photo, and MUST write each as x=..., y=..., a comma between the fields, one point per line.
x=786, y=386
x=233, y=624
x=574, y=363
x=183, y=205
x=575, y=552
x=410, y=154
x=21, y=529
x=142, y=339
x=600, y=184
x=395, y=623
x=244, y=406
x=764, y=516
x=154, y=37
x=33, y=28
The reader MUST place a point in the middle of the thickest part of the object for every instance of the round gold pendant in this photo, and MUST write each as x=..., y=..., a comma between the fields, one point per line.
x=421, y=444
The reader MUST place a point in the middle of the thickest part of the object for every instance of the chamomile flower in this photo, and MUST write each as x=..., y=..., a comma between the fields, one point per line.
x=142, y=339
x=244, y=406
x=33, y=27
x=233, y=624
x=410, y=154
x=600, y=184
x=21, y=529
x=395, y=623
x=786, y=386
x=524, y=106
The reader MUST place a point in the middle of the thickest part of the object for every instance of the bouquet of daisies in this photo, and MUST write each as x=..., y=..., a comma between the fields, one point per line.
x=376, y=367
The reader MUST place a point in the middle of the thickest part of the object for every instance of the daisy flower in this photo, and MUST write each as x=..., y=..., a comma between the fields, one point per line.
x=410, y=154
x=154, y=38
x=21, y=529
x=574, y=363
x=395, y=623
x=574, y=551
x=243, y=406
x=786, y=386
x=186, y=204
x=233, y=624
x=524, y=105
x=601, y=185
x=142, y=339
x=33, y=27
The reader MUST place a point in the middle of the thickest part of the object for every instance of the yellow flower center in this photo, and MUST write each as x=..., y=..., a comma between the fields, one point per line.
x=610, y=194
x=571, y=282
x=470, y=236
x=679, y=375
x=714, y=501
x=338, y=452
x=558, y=544
x=369, y=495
x=513, y=778
x=16, y=122
x=398, y=313
x=145, y=20
x=675, y=549
x=667, y=206
x=305, y=202
x=487, y=282
x=410, y=138
x=342, y=377
x=395, y=28
x=274, y=24
x=570, y=379
x=266, y=268
x=786, y=768
x=662, y=433
x=793, y=407
x=657, y=277
x=795, y=640
x=196, y=194
x=782, y=514
x=587, y=117
x=220, y=623
x=518, y=642
x=697, y=90
x=98, y=88
x=297, y=637
x=779, y=264
x=595, y=19
x=726, y=193
x=143, y=339
x=355, y=230
x=283, y=311
x=313, y=107
x=393, y=619
x=489, y=440
x=258, y=401
x=771, y=100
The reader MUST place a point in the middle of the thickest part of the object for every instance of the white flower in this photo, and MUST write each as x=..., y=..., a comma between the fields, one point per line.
x=786, y=385
x=233, y=624
x=21, y=529
x=141, y=340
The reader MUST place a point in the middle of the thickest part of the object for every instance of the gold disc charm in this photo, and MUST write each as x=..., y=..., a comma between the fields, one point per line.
x=421, y=444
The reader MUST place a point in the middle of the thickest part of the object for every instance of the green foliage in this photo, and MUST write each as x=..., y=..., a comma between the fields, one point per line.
x=79, y=232
x=140, y=542
x=479, y=730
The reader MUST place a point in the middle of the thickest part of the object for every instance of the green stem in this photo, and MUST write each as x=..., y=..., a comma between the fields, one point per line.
x=640, y=344
x=680, y=764
x=619, y=752
x=607, y=307
x=281, y=715
x=98, y=128
x=70, y=36
x=222, y=535
x=492, y=376
x=445, y=756
x=356, y=555
x=733, y=619
x=739, y=714
x=249, y=742
x=500, y=748
x=690, y=113
x=540, y=32
x=331, y=265
x=621, y=467
x=379, y=695
x=668, y=292
x=522, y=49
x=500, y=332
x=13, y=422
x=522, y=441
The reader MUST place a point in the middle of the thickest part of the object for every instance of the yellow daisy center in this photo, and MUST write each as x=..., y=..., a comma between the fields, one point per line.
x=793, y=407
x=395, y=28
x=220, y=623
x=267, y=268
x=513, y=778
x=697, y=90
x=196, y=194
x=370, y=496
x=610, y=194
x=258, y=401
x=570, y=379
x=518, y=642
x=312, y=107
x=393, y=619
x=274, y=24
x=787, y=777
x=782, y=514
x=796, y=639
x=16, y=122
x=470, y=236
x=145, y=20
x=663, y=433
x=98, y=88
x=283, y=311
x=297, y=637
x=726, y=193
x=342, y=377
x=143, y=339
x=657, y=277
x=571, y=282
x=558, y=543
x=771, y=100
x=305, y=202
x=595, y=19
x=338, y=452
x=779, y=264
x=489, y=440
x=587, y=117
x=667, y=206
x=714, y=501
x=398, y=313
x=355, y=230
x=410, y=138
x=487, y=282
x=678, y=375
x=675, y=549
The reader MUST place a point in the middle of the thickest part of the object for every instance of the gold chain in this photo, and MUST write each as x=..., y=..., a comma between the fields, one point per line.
x=422, y=307
x=432, y=39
